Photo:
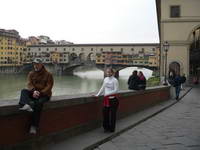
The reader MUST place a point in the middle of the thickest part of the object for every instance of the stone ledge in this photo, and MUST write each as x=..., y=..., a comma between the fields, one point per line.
x=64, y=115
x=10, y=107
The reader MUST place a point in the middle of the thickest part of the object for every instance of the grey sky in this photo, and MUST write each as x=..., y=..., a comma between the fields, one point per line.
x=83, y=21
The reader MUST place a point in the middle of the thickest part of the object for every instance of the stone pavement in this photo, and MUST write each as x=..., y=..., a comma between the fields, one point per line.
x=176, y=128
x=143, y=130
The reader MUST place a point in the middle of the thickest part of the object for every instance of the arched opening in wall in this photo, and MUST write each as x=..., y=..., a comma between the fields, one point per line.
x=91, y=57
x=194, y=51
x=174, y=67
x=73, y=57
x=82, y=57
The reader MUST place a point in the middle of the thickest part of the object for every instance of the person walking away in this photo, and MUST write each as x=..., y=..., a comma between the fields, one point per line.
x=142, y=81
x=133, y=81
x=110, y=88
x=40, y=83
x=177, y=85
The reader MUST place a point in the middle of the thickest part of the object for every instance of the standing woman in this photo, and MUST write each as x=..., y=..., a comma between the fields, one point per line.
x=109, y=88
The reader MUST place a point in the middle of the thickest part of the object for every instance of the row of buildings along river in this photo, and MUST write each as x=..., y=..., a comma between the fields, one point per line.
x=15, y=52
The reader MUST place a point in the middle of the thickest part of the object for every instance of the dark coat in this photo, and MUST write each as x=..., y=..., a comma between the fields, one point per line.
x=177, y=81
x=133, y=82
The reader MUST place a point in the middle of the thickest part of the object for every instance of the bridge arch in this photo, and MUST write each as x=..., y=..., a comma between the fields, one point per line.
x=82, y=57
x=91, y=57
x=73, y=56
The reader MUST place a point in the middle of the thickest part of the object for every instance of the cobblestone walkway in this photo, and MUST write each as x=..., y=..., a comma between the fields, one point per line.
x=177, y=128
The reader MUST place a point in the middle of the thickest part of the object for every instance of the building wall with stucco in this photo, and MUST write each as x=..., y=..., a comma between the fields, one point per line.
x=177, y=31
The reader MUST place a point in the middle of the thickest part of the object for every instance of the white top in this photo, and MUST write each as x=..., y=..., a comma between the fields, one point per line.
x=110, y=86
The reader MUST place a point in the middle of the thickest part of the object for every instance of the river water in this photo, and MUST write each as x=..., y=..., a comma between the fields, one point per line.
x=84, y=80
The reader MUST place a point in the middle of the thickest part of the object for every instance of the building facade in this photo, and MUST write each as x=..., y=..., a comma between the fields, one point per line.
x=144, y=54
x=179, y=24
x=11, y=48
x=49, y=53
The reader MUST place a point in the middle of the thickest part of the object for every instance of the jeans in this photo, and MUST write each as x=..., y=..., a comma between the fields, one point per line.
x=36, y=105
x=177, y=90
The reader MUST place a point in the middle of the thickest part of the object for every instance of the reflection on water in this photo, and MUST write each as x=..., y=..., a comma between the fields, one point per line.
x=84, y=81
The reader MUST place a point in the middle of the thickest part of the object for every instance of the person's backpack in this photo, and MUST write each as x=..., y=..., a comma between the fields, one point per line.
x=183, y=79
x=171, y=81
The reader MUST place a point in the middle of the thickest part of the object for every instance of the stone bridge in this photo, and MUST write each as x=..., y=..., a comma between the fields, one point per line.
x=65, y=58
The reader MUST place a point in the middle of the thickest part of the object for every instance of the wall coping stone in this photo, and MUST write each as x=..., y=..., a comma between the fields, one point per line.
x=10, y=107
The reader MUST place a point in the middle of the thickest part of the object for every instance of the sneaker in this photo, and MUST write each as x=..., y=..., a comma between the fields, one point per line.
x=27, y=108
x=33, y=130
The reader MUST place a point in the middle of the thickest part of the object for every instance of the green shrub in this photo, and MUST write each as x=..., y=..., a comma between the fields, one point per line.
x=153, y=81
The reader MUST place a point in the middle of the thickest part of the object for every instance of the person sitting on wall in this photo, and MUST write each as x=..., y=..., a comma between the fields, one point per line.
x=142, y=81
x=40, y=83
x=133, y=81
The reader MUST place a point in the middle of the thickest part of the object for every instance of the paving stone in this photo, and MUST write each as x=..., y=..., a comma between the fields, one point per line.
x=108, y=146
x=177, y=128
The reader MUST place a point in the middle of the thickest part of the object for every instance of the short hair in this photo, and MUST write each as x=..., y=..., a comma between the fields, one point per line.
x=111, y=69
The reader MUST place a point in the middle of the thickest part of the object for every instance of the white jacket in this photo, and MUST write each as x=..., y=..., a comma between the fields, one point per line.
x=110, y=86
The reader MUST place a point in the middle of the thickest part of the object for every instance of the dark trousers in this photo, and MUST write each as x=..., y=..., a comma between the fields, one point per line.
x=109, y=115
x=177, y=90
x=36, y=105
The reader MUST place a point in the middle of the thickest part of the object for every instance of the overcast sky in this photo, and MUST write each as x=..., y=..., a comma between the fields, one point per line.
x=83, y=21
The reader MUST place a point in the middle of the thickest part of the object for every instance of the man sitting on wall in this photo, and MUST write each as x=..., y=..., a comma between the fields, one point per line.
x=40, y=83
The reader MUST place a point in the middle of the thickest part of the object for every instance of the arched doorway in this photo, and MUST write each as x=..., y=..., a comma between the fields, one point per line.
x=194, y=53
x=174, y=67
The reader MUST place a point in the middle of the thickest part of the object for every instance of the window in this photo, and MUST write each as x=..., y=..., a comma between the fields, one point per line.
x=174, y=11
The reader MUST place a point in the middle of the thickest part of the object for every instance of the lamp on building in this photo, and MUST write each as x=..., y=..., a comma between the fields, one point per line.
x=166, y=48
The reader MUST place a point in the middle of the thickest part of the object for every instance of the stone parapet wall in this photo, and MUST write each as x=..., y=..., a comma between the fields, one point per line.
x=66, y=116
